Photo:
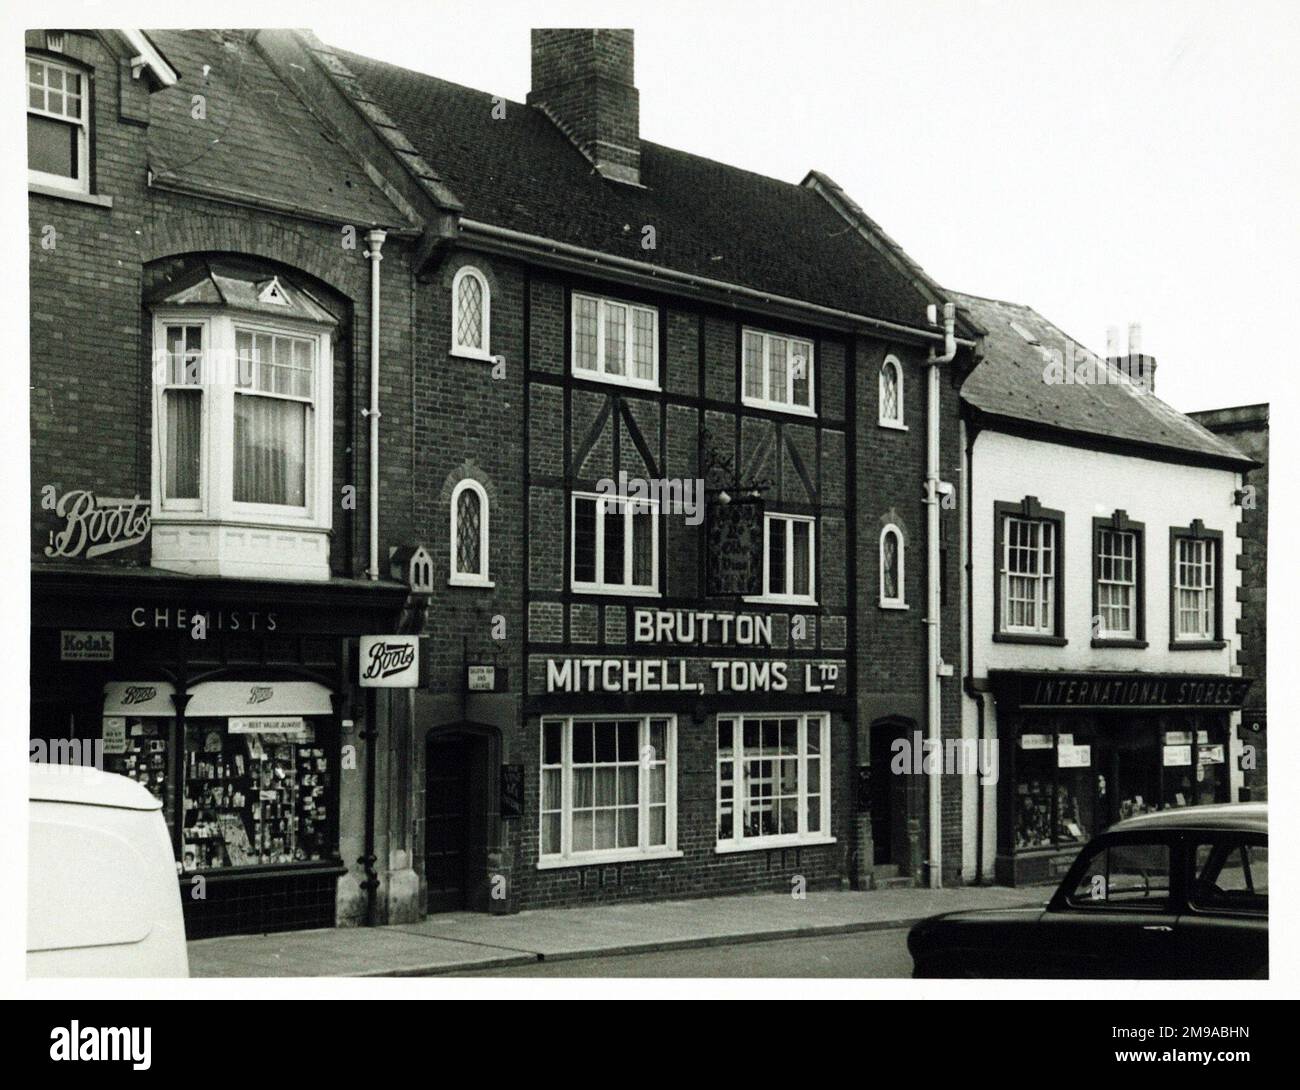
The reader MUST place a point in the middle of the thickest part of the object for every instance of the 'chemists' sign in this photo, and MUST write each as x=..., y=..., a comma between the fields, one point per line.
x=389, y=662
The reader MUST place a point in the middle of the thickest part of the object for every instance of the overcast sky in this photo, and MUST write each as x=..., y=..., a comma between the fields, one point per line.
x=1104, y=162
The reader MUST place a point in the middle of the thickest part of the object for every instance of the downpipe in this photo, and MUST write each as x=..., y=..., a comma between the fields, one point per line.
x=933, y=490
x=375, y=240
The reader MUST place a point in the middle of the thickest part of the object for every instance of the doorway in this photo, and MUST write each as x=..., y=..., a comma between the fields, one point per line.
x=888, y=800
x=446, y=822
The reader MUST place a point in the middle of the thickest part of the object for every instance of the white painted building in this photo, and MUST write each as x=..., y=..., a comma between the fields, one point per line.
x=1100, y=614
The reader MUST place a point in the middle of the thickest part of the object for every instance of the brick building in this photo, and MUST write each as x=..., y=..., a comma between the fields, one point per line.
x=1246, y=427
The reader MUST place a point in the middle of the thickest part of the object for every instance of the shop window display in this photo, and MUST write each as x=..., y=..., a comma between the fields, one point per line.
x=253, y=798
x=147, y=758
x=1036, y=773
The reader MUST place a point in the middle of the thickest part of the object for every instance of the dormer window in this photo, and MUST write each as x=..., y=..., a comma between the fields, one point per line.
x=243, y=423
x=58, y=142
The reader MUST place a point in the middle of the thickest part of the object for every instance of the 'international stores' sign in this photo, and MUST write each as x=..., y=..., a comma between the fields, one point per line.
x=1099, y=691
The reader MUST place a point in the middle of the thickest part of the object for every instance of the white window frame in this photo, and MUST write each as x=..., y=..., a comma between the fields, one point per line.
x=192, y=504
x=1205, y=558
x=603, y=304
x=1103, y=630
x=81, y=183
x=766, y=401
x=809, y=599
x=896, y=421
x=899, y=601
x=483, y=577
x=604, y=505
x=567, y=857
x=1041, y=578
x=464, y=350
x=738, y=842
x=217, y=440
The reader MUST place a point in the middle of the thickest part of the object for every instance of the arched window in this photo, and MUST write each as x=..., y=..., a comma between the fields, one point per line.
x=892, y=593
x=469, y=535
x=471, y=311
x=891, y=393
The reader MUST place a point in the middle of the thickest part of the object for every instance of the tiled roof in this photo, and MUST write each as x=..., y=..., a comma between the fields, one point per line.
x=257, y=140
x=1010, y=383
x=522, y=173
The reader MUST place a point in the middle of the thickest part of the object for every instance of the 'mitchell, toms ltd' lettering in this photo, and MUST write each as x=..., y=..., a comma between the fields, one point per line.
x=221, y=620
x=97, y=526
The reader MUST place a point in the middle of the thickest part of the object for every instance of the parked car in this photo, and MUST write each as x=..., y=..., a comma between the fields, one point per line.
x=102, y=894
x=1173, y=894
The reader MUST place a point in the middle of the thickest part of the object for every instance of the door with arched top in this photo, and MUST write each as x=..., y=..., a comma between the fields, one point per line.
x=447, y=822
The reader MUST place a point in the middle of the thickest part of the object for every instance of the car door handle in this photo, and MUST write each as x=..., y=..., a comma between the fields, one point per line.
x=1156, y=927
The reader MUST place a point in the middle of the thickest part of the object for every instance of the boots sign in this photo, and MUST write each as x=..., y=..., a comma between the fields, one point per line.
x=389, y=662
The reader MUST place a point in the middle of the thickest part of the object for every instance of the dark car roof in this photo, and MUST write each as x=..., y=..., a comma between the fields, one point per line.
x=1237, y=816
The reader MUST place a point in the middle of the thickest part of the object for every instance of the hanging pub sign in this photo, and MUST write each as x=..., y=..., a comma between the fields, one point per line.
x=389, y=662
x=95, y=525
x=734, y=561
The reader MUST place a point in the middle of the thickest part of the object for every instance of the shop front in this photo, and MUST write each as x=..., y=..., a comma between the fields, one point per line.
x=1080, y=751
x=231, y=703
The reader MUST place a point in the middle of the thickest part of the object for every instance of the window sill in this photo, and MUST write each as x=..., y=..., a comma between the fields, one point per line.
x=886, y=604
x=1104, y=641
x=462, y=581
x=1197, y=645
x=594, y=859
x=616, y=592
x=476, y=354
x=98, y=200
x=1044, y=641
x=779, y=600
x=758, y=844
x=893, y=425
x=778, y=407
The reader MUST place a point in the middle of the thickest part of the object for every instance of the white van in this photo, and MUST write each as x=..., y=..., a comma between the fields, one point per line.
x=102, y=894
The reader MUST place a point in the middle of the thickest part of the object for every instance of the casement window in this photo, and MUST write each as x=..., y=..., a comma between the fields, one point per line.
x=615, y=341
x=891, y=394
x=773, y=780
x=609, y=789
x=469, y=535
x=789, y=559
x=58, y=125
x=1028, y=599
x=615, y=545
x=242, y=429
x=1117, y=576
x=1195, y=592
x=777, y=372
x=471, y=315
x=892, y=558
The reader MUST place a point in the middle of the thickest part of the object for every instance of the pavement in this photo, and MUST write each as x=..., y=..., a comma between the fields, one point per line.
x=462, y=942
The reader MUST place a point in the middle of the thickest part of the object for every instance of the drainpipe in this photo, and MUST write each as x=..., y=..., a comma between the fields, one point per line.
x=375, y=240
x=933, y=658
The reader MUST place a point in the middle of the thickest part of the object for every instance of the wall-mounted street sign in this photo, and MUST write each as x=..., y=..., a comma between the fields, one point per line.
x=481, y=679
x=94, y=525
x=389, y=662
x=83, y=646
x=734, y=560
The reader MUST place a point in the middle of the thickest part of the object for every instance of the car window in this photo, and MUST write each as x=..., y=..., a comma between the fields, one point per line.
x=1129, y=875
x=1230, y=875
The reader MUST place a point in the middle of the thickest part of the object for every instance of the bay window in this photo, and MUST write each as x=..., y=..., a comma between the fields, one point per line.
x=608, y=789
x=773, y=783
x=243, y=422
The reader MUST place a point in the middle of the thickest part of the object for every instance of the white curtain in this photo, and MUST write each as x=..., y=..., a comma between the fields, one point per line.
x=270, y=450
x=184, y=415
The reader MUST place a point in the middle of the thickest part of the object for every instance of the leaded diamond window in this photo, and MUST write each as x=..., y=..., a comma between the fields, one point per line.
x=471, y=311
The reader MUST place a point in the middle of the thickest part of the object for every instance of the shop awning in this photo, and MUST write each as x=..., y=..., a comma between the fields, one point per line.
x=139, y=698
x=221, y=699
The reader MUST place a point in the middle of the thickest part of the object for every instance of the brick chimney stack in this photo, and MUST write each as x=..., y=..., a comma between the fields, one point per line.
x=1139, y=367
x=582, y=79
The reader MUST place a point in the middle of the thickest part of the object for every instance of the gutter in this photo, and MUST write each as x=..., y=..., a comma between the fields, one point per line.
x=558, y=252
